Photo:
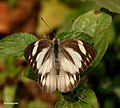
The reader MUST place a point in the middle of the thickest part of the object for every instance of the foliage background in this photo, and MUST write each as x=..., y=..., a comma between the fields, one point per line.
x=105, y=78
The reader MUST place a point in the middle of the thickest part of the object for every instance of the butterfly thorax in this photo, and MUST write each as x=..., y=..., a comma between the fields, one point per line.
x=56, y=55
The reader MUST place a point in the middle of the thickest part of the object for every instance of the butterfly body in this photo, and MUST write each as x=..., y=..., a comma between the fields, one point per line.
x=56, y=57
x=59, y=63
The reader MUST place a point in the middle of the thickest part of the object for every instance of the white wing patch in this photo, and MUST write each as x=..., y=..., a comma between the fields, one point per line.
x=67, y=65
x=35, y=48
x=80, y=44
x=40, y=57
x=76, y=58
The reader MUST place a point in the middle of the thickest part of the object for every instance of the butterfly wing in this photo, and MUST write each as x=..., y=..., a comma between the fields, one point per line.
x=75, y=57
x=39, y=56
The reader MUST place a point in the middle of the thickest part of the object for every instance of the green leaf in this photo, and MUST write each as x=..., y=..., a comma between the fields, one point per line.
x=81, y=104
x=61, y=103
x=15, y=44
x=28, y=73
x=101, y=45
x=83, y=8
x=77, y=35
x=82, y=96
x=95, y=24
x=92, y=23
x=111, y=5
x=88, y=96
x=65, y=104
x=87, y=99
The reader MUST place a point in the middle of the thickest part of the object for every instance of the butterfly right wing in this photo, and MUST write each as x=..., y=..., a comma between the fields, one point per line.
x=39, y=56
x=75, y=57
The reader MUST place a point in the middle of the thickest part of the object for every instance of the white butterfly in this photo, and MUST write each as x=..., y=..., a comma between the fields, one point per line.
x=59, y=63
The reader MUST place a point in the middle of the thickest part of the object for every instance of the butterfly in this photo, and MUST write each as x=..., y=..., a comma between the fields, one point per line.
x=59, y=63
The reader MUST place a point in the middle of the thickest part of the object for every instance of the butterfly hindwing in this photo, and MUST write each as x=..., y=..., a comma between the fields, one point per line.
x=68, y=76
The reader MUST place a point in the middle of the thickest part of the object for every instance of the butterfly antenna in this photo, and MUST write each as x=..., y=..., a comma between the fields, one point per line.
x=48, y=26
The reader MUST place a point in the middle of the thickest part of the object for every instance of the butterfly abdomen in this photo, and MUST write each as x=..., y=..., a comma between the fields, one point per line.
x=56, y=56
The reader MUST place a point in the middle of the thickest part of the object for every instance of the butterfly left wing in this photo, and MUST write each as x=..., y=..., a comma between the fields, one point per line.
x=39, y=56
x=75, y=57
